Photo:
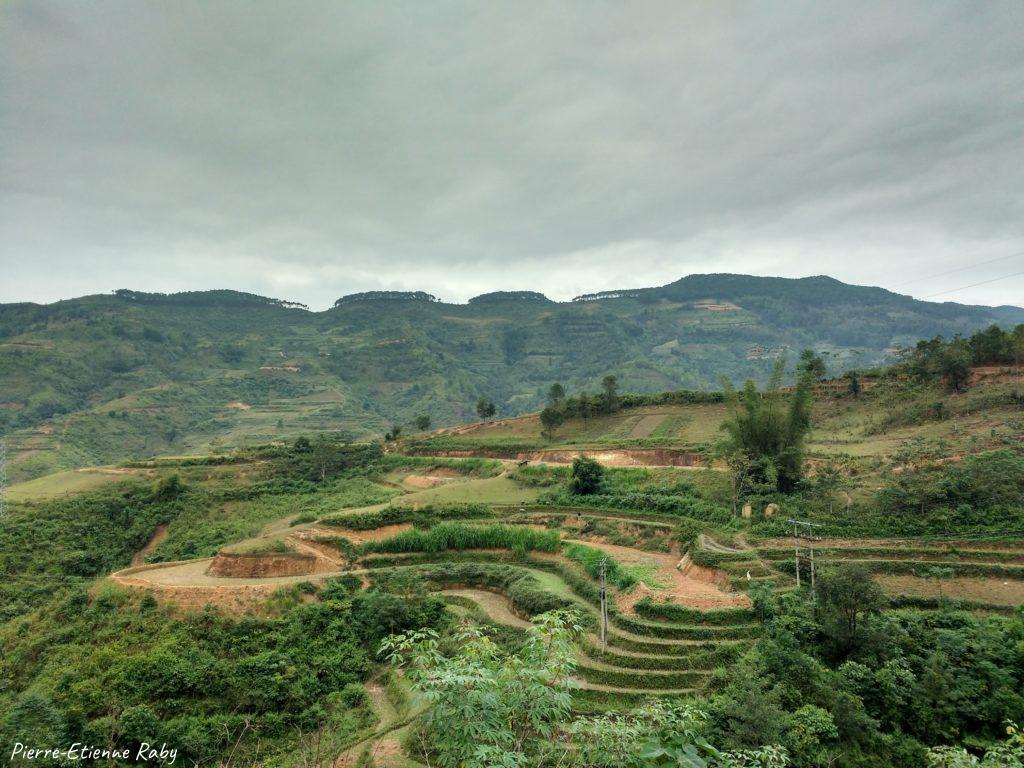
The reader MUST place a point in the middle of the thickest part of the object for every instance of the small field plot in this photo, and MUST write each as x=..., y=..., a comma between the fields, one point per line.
x=491, y=490
x=70, y=482
x=994, y=591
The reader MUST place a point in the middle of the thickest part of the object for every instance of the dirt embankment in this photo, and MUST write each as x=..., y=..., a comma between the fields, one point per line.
x=245, y=566
x=618, y=457
x=701, y=573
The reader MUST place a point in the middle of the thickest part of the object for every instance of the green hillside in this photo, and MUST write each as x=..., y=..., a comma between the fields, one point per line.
x=101, y=378
x=233, y=605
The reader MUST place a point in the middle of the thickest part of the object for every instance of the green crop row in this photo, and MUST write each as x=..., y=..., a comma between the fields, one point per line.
x=422, y=517
x=640, y=679
x=686, y=657
x=458, y=536
x=649, y=609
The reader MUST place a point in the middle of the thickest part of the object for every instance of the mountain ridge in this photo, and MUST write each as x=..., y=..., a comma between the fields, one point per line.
x=725, y=281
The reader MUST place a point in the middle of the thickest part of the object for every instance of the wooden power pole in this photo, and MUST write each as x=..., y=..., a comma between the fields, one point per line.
x=804, y=529
x=604, y=603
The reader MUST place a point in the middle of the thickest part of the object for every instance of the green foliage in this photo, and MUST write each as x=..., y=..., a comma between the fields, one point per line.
x=590, y=558
x=115, y=673
x=457, y=536
x=587, y=476
x=55, y=546
x=765, y=441
x=421, y=517
x=522, y=588
x=846, y=595
x=1009, y=754
x=951, y=360
x=485, y=409
x=811, y=365
x=551, y=418
x=488, y=708
x=650, y=609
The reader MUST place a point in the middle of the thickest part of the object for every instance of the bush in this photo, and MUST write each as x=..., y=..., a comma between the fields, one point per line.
x=587, y=476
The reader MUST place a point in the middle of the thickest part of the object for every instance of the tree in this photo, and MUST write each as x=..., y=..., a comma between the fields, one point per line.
x=551, y=419
x=423, y=422
x=394, y=434
x=828, y=478
x=485, y=409
x=846, y=595
x=1017, y=346
x=609, y=394
x=556, y=395
x=324, y=456
x=954, y=364
x=811, y=364
x=585, y=405
x=762, y=600
x=764, y=442
x=854, y=386
x=488, y=708
x=939, y=574
x=587, y=476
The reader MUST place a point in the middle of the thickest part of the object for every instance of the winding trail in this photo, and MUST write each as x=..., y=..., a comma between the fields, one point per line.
x=159, y=535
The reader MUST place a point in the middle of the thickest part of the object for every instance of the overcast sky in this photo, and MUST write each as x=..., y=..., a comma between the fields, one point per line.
x=309, y=150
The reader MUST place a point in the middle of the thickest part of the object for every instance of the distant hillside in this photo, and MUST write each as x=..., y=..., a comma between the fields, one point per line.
x=102, y=378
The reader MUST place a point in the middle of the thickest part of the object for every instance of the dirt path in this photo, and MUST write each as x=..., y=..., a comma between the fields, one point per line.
x=159, y=535
x=706, y=542
x=495, y=606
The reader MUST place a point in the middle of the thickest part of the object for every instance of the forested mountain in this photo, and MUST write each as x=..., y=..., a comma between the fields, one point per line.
x=101, y=378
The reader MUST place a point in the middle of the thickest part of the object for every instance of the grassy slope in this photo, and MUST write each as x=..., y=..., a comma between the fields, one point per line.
x=872, y=426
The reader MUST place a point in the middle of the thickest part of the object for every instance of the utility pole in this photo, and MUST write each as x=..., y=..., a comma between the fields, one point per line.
x=796, y=552
x=604, y=603
x=804, y=529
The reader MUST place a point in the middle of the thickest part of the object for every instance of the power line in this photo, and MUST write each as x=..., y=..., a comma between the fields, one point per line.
x=972, y=285
x=960, y=269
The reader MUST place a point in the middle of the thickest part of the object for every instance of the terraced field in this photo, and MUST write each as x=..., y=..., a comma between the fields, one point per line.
x=978, y=573
x=677, y=615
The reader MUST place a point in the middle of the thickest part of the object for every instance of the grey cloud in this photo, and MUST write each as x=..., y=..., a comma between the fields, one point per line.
x=308, y=150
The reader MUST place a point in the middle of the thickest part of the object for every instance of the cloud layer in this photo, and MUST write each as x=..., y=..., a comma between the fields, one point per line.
x=307, y=151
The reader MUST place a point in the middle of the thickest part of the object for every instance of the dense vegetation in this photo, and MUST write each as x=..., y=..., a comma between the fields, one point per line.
x=812, y=692
x=117, y=670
